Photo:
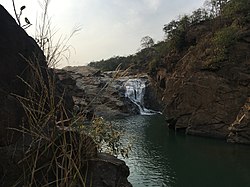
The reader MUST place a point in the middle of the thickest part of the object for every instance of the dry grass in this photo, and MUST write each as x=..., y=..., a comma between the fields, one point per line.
x=57, y=151
x=56, y=142
x=59, y=145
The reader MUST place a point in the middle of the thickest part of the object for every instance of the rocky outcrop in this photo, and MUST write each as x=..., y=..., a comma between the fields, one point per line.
x=106, y=170
x=17, y=50
x=96, y=169
x=23, y=66
x=204, y=98
x=97, y=93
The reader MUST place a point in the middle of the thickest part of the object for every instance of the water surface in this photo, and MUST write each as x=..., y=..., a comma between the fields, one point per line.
x=160, y=157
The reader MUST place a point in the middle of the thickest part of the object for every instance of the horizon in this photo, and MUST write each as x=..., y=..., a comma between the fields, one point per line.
x=107, y=28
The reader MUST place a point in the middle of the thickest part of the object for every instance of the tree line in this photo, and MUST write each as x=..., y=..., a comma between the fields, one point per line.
x=175, y=31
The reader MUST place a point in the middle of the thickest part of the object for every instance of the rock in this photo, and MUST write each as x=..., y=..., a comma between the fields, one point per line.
x=43, y=146
x=240, y=128
x=20, y=58
x=11, y=114
x=105, y=94
x=17, y=50
x=151, y=96
x=206, y=99
x=108, y=171
x=96, y=169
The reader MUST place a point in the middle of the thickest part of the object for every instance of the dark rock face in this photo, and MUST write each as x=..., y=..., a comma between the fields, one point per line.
x=151, y=96
x=108, y=171
x=207, y=101
x=10, y=118
x=19, y=54
x=17, y=49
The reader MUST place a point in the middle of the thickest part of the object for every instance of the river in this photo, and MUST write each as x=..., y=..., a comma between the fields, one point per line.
x=162, y=158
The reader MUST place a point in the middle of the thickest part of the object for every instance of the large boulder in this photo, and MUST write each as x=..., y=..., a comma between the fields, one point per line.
x=17, y=49
x=108, y=171
x=21, y=59
x=70, y=147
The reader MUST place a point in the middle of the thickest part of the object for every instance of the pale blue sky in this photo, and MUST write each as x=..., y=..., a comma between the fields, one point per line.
x=109, y=27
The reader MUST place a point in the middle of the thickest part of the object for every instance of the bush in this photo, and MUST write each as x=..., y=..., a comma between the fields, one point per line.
x=222, y=41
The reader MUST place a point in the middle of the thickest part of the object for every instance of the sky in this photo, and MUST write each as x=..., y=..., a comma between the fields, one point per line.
x=108, y=27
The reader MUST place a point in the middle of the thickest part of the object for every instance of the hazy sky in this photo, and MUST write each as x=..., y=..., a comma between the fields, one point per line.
x=108, y=27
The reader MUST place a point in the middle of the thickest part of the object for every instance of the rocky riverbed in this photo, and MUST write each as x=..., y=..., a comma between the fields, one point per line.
x=100, y=93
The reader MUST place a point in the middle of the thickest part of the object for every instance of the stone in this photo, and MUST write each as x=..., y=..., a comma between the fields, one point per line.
x=21, y=57
x=240, y=128
x=17, y=50
x=206, y=100
x=105, y=94
x=108, y=171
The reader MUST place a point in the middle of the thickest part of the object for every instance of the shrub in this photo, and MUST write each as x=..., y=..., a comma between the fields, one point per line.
x=222, y=41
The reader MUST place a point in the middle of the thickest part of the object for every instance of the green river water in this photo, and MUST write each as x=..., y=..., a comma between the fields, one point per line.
x=162, y=158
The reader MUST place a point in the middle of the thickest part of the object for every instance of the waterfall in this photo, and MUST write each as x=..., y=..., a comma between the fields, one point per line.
x=135, y=90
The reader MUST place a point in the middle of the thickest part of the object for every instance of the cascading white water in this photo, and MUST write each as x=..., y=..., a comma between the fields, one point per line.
x=135, y=90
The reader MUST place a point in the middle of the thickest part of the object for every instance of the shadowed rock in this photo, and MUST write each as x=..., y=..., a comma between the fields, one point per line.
x=20, y=56
x=17, y=49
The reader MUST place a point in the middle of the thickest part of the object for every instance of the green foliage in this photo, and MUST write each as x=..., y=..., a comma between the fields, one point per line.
x=217, y=6
x=107, y=138
x=180, y=34
x=175, y=32
x=170, y=29
x=199, y=15
x=222, y=42
x=236, y=8
x=112, y=63
x=225, y=37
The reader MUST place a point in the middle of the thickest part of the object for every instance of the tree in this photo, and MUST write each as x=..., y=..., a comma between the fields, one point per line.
x=176, y=31
x=216, y=6
x=147, y=42
x=184, y=23
x=170, y=28
x=237, y=7
x=199, y=15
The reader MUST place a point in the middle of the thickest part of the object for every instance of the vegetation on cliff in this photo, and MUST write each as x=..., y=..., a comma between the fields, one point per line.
x=218, y=25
